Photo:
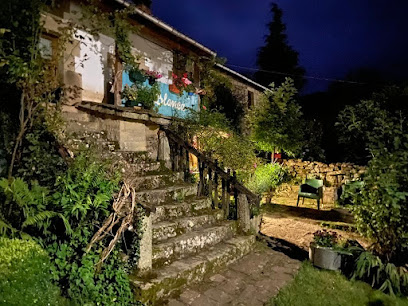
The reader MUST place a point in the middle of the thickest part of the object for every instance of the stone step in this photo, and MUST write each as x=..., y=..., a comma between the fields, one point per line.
x=190, y=243
x=133, y=157
x=177, y=193
x=142, y=167
x=168, y=229
x=154, y=181
x=190, y=207
x=179, y=274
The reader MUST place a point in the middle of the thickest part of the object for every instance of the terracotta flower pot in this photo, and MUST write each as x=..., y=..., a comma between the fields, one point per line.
x=173, y=88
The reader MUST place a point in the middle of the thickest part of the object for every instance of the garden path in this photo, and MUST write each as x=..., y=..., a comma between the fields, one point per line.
x=252, y=280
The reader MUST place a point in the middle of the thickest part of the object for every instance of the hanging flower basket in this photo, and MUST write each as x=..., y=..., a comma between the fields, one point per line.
x=136, y=76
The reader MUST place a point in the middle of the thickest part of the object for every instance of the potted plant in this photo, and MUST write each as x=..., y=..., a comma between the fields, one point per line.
x=140, y=95
x=328, y=250
x=152, y=76
x=136, y=75
x=181, y=84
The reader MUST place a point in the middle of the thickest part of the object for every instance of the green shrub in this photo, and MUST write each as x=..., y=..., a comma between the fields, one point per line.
x=25, y=277
x=384, y=276
x=266, y=178
x=215, y=136
x=380, y=210
x=350, y=190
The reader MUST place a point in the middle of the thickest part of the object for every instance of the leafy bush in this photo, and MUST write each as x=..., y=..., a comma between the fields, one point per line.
x=40, y=160
x=349, y=191
x=26, y=210
x=216, y=137
x=84, y=196
x=275, y=122
x=384, y=276
x=64, y=221
x=380, y=125
x=266, y=178
x=380, y=210
x=25, y=277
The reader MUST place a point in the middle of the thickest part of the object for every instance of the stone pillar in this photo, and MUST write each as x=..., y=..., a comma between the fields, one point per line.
x=243, y=213
x=146, y=246
x=164, y=149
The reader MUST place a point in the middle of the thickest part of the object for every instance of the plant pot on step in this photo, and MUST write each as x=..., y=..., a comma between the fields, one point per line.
x=325, y=257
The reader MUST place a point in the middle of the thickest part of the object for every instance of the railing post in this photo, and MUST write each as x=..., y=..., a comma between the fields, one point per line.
x=201, y=182
x=210, y=186
x=243, y=213
x=173, y=154
x=146, y=245
x=234, y=174
x=228, y=193
x=216, y=185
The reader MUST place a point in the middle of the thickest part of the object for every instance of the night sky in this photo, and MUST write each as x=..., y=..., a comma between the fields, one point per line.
x=331, y=36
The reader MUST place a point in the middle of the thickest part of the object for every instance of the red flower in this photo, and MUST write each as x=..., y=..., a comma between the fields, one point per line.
x=204, y=108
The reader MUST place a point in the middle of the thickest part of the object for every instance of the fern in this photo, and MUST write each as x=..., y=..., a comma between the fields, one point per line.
x=38, y=219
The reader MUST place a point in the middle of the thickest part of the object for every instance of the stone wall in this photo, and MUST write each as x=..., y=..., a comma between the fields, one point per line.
x=334, y=174
x=131, y=130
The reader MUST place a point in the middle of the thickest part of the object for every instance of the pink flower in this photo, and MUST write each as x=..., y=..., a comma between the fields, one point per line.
x=174, y=75
x=204, y=108
x=255, y=165
x=186, y=81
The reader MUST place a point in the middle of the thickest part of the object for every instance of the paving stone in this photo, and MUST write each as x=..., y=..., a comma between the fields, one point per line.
x=269, y=285
x=218, y=278
x=249, y=296
x=282, y=270
x=189, y=296
x=232, y=286
x=173, y=302
x=218, y=295
x=203, y=300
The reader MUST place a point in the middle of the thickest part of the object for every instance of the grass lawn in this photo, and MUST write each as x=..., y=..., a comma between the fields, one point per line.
x=316, y=287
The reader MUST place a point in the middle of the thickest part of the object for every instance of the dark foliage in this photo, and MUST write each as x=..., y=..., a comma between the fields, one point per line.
x=278, y=56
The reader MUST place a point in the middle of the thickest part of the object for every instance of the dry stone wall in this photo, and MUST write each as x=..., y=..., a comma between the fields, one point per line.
x=334, y=174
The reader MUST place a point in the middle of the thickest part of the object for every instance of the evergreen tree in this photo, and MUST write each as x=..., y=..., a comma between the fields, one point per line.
x=277, y=56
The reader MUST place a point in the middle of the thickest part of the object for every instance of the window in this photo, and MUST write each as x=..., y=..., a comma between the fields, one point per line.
x=45, y=46
x=250, y=99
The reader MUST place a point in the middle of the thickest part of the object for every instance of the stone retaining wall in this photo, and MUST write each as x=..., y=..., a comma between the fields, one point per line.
x=334, y=174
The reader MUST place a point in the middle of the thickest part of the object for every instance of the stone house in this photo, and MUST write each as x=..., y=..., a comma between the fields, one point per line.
x=189, y=229
x=90, y=63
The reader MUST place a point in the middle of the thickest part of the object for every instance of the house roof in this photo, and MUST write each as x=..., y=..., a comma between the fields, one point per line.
x=240, y=76
x=169, y=28
x=188, y=39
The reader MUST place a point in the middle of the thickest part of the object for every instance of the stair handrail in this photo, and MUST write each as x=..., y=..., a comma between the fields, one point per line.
x=213, y=166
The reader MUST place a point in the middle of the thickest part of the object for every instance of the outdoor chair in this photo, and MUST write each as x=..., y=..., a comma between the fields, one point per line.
x=311, y=189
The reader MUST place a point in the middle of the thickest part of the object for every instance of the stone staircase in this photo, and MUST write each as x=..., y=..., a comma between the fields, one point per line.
x=189, y=238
